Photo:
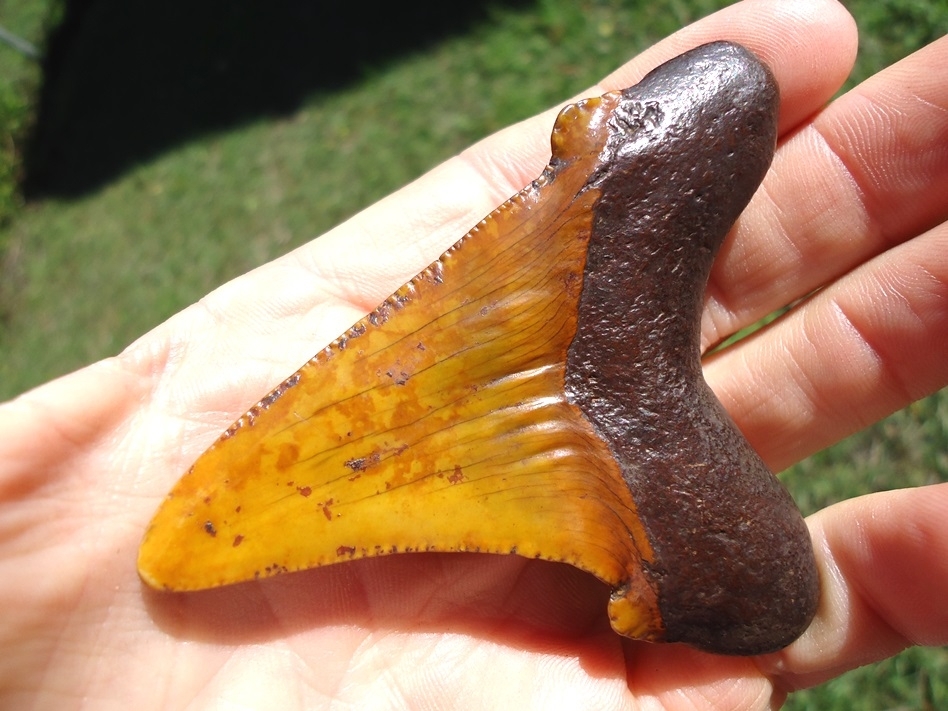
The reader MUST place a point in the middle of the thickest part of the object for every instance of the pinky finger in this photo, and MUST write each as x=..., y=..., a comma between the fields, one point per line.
x=883, y=562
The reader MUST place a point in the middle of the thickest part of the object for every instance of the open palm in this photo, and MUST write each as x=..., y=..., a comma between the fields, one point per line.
x=853, y=207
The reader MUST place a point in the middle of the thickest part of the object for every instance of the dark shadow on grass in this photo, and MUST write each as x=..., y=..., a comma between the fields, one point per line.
x=124, y=80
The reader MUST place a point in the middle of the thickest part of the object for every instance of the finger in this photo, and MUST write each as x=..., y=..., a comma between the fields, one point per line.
x=883, y=562
x=868, y=173
x=810, y=47
x=862, y=348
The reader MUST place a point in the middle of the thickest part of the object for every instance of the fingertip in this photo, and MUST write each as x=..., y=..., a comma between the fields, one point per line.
x=813, y=56
x=883, y=561
x=810, y=45
x=895, y=553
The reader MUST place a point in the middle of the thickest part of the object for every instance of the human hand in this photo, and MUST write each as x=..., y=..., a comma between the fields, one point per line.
x=853, y=205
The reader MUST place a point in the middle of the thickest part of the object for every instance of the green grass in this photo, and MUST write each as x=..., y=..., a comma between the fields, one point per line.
x=916, y=679
x=152, y=209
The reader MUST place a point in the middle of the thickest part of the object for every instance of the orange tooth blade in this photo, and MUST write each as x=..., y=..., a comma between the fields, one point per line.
x=437, y=423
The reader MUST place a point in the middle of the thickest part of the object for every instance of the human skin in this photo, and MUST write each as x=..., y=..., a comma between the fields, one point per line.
x=853, y=205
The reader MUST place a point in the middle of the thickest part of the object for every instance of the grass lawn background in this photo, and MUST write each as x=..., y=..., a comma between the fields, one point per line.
x=168, y=147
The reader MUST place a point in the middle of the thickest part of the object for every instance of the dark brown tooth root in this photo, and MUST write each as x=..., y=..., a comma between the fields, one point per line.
x=734, y=567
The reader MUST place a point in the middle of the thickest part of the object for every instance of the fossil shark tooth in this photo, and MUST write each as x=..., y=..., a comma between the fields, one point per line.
x=537, y=390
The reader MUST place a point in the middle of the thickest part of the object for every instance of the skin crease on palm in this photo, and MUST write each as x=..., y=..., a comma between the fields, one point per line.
x=854, y=205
